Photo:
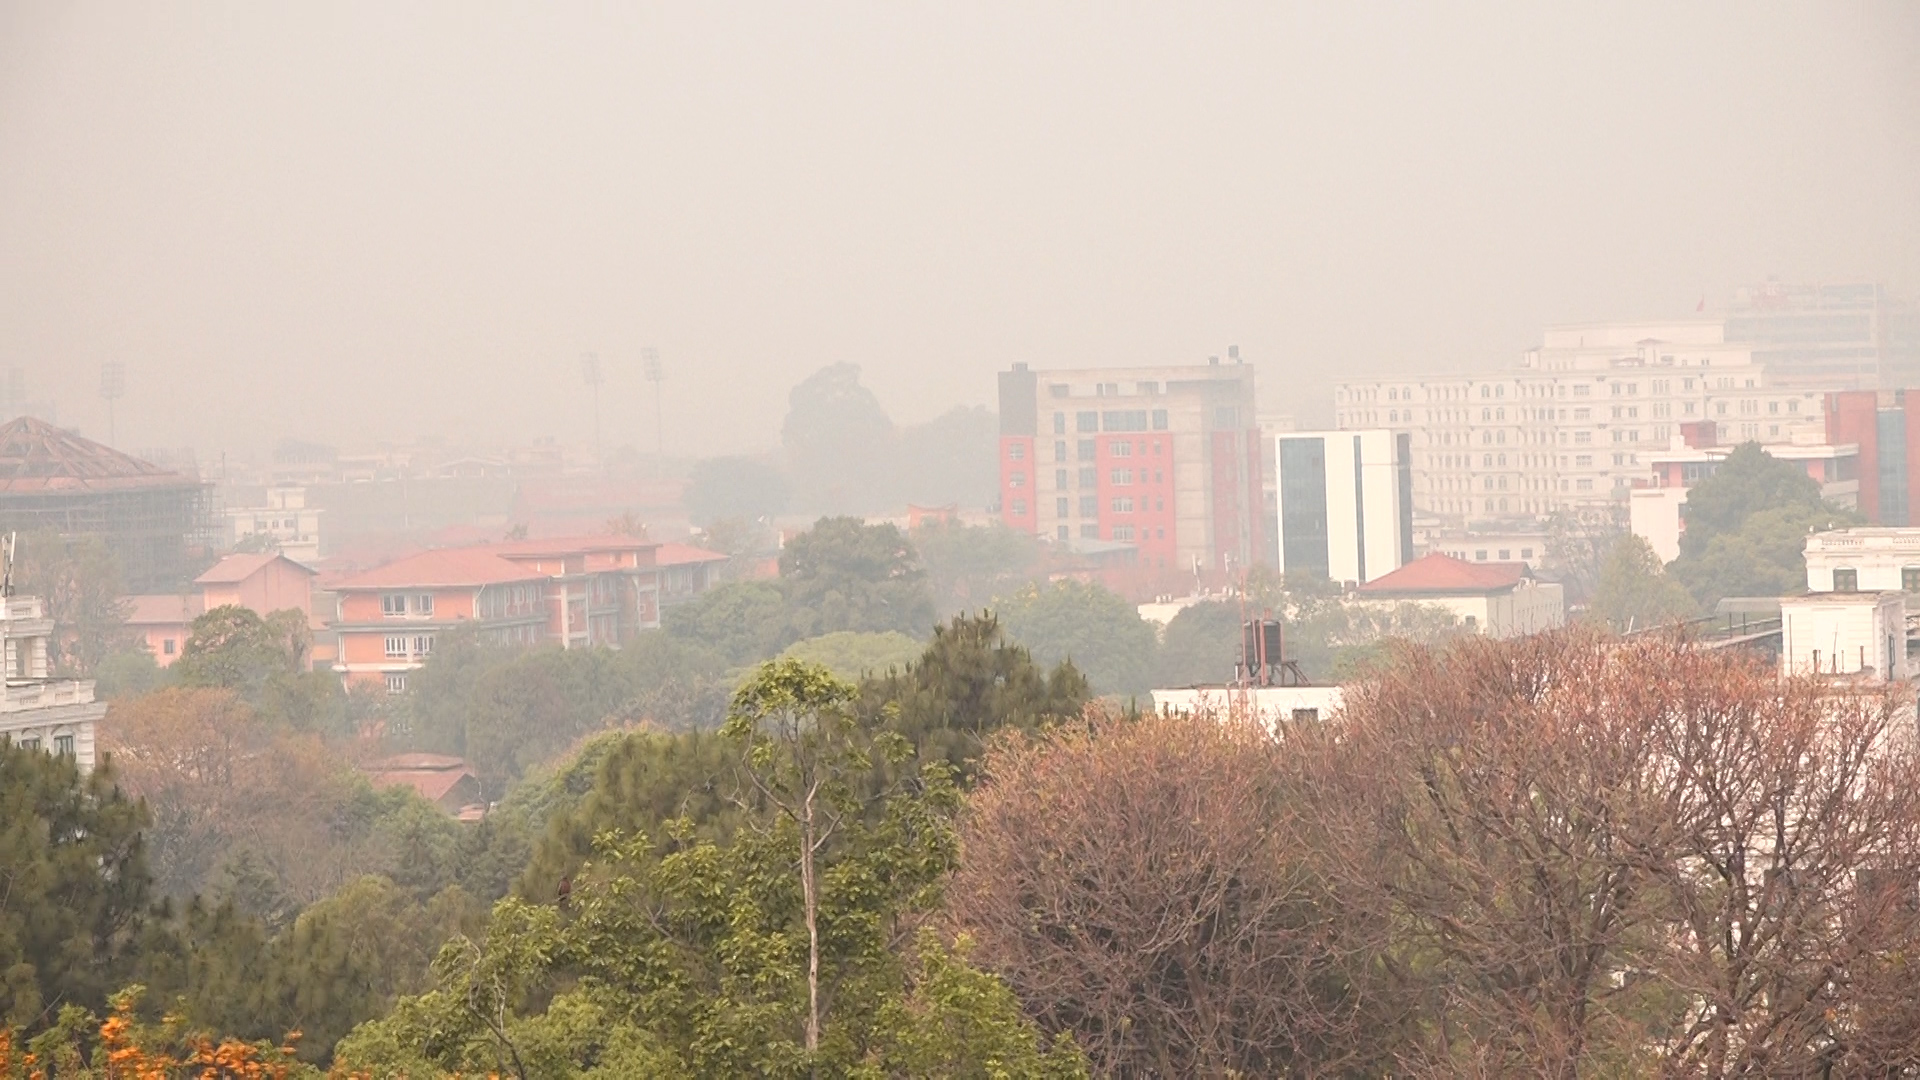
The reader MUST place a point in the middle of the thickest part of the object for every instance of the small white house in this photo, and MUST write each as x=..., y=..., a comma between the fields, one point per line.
x=1864, y=560
x=1270, y=705
x=1862, y=634
x=1493, y=598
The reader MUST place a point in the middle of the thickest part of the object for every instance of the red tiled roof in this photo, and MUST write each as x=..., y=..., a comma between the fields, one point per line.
x=163, y=610
x=403, y=762
x=454, y=568
x=432, y=784
x=1438, y=573
x=237, y=568
x=572, y=545
x=681, y=554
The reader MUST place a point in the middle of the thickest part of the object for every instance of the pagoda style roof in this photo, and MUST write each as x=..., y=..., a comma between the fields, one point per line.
x=39, y=458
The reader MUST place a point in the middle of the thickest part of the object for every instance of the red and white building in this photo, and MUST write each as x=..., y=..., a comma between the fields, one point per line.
x=574, y=592
x=264, y=583
x=1162, y=461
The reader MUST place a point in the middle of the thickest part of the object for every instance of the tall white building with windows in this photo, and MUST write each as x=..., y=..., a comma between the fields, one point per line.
x=1567, y=428
x=37, y=710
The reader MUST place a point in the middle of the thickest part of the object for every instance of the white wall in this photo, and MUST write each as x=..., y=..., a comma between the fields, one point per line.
x=1270, y=705
x=1379, y=487
x=1876, y=555
x=1842, y=633
x=1653, y=514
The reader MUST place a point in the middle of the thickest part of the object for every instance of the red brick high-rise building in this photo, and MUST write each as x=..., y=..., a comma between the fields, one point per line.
x=1165, y=461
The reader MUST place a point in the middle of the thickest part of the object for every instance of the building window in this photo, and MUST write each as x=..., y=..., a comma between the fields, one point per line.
x=1505, y=554
x=396, y=646
x=1849, y=580
x=1019, y=508
x=1122, y=477
x=1089, y=506
x=1085, y=451
x=1017, y=451
x=423, y=645
x=1120, y=448
x=1061, y=532
x=1016, y=479
x=1060, y=480
x=393, y=604
x=1123, y=504
x=1089, y=476
x=1910, y=578
x=396, y=683
x=1480, y=556
x=1089, y=532
x=1526, y=553
x=1125, y=420
x=63, y=745
x=1159, y=419
x=1061, y=507
x=1086, y=422
x=423, y=604
x=166, y=647
x=1059, y=423
x=30, y=744
x=1123, y=532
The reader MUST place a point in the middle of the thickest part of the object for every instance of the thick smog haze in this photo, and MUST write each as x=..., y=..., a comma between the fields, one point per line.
x=359, y=222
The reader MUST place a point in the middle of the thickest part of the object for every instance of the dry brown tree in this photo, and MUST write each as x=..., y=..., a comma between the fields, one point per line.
x=1135, y=882
x=1606, y=856
x=1792, y=894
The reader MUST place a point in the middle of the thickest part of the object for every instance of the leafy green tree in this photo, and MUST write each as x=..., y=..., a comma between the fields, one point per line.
x=850, y=654
x=80, y=580
x=1200, y=645
x=1747, y=527
x=1634, y=590
x=264, y=661
x=678, y=954
x=126, y=672
x=844, y=574
x=969, y=683
x=1100, y=633
x=743, y=622
x=74, y=887
x=532, y=708
x=839, y=443
x=734, y=488
x=968, y=565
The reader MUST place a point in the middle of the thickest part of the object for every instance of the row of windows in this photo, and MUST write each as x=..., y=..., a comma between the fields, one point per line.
x=395, y=605
x=1105, y=389
x=1089, y=422
x=1118, y=532
x=62, y=744
x=1090, y=506
x=397, y=646
x=1847, y=579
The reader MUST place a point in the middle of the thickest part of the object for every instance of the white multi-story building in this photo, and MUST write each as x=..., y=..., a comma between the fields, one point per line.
x=1343, y=511
x=38, y=711
x=286, y=518
x=1864, y=560
x=1566, y=429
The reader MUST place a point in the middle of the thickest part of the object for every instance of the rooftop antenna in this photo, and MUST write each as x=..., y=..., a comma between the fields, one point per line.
x=590, y=370
x=650, y=356
x=113, y=384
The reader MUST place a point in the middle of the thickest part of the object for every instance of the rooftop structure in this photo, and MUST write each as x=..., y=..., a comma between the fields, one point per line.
x=1499, y=599
x=39, y=711
x=1842, y=336
x=153, y=520
x=443, y=781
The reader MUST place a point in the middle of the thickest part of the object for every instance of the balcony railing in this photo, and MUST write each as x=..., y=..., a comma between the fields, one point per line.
x=46, y=694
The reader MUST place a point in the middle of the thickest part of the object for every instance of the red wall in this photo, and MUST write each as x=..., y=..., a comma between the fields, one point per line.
x=1150, y=456
x=1851, y=418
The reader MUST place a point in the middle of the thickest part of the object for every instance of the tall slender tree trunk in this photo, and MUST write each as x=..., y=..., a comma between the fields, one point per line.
x=811, y=903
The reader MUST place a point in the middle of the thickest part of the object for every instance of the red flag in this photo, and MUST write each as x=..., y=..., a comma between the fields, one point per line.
x=1702, y=306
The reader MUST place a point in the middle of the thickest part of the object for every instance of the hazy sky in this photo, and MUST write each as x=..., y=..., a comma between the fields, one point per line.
x=373, y=221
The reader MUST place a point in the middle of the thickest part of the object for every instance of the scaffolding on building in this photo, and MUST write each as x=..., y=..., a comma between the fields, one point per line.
x=158, y=524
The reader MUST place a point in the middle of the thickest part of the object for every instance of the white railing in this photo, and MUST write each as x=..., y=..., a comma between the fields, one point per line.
x=46, y=695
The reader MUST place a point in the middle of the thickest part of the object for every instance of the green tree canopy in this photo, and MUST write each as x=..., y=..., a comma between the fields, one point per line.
x=1747, y=528
x=844, y=574
x=969, y=565
x=1634, y=590
x=742, y=621
x=1102, y=634
x=850, y=654
x=839, y=443
x=73, y=885
x=1200, y=645
x=80, y=580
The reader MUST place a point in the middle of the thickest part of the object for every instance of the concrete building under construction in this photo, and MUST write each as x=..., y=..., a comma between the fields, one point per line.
x=158, y=524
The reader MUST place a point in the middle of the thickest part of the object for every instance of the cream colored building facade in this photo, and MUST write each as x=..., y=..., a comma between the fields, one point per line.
x=38, y=711
x=1566, y=429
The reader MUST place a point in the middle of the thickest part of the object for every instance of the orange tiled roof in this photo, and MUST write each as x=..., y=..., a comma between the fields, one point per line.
x=234, y=569
x=1438, y=573
x=456, y=568
x=38, y=457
